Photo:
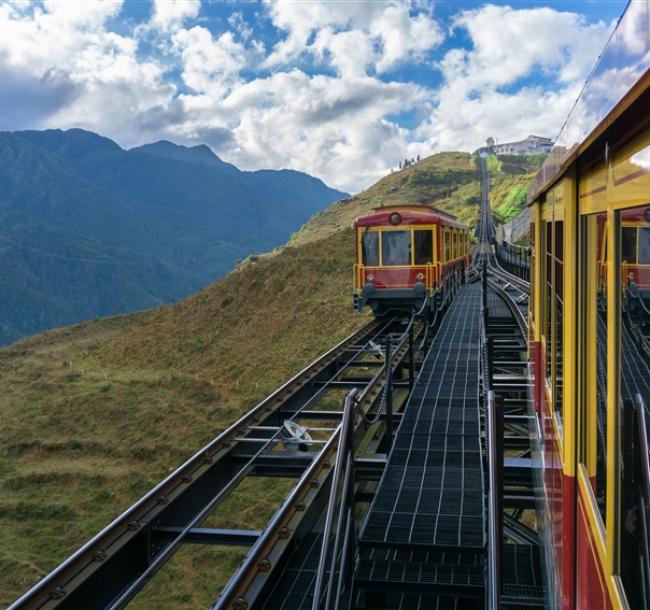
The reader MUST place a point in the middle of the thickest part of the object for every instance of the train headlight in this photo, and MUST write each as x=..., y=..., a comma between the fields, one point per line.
x=419, y=277
x=370, y=277
x=395, y=218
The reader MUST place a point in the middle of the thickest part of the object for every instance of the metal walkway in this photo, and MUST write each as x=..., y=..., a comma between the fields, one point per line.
x=425, y=531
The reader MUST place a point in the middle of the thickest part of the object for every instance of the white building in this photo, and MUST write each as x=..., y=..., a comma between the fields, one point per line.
x=532, y=145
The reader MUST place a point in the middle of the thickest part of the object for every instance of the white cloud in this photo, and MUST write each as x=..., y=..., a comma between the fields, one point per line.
x=90, y=77
x=388, y=33
x=320, y=99
x=171, y=14
x=210, y=65
x=485, y=92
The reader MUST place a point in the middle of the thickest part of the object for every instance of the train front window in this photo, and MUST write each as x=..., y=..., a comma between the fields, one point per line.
x=644, y=246
x=628, y=245
x=370, y=248
x=396, y=248
x=423, y=246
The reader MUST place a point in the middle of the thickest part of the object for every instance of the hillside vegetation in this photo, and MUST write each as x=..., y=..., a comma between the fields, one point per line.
x=509, y=179
x=95, y=414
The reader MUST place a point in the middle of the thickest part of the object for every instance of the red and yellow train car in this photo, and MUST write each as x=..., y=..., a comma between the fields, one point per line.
x=591, y=242
x=404, y=255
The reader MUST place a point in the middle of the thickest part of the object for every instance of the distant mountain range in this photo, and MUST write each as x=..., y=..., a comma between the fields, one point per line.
x=88, y=229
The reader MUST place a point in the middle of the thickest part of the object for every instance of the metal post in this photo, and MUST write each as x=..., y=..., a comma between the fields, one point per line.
x=495, y=525
x=352, y=536
x=411, y=363
x=389, y=392
x=498, y=404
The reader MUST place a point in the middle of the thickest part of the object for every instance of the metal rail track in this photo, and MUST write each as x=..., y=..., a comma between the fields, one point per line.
x=114, y=565
x=304, y=505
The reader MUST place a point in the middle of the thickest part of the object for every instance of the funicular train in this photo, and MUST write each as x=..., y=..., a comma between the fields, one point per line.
x=590, y=287
x=407, y=256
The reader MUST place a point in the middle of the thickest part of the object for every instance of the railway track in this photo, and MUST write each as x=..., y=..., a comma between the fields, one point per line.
x=110, y=569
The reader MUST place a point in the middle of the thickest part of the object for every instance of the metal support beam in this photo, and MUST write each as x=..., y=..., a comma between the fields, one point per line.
x=208, y=535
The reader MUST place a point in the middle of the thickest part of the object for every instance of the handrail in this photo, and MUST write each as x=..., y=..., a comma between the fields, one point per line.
x=494, y=508
x=495, y=456
x=332, y=591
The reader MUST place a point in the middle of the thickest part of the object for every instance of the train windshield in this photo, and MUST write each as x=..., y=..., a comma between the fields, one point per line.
x=396, y=247
x=644, y=246
x=370, y=248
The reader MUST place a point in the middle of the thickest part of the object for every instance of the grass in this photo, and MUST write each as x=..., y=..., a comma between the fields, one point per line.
x=95, y=414
x=509, y=179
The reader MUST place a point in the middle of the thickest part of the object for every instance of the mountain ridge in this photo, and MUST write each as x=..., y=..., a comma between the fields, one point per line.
x=178, y=214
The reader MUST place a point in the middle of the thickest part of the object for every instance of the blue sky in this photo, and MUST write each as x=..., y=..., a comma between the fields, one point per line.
x=340, y=89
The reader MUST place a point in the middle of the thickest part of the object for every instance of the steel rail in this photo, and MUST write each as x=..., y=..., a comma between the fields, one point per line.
x=245, y=470
x=233, y=596
x=343, y=464
x=58, y=585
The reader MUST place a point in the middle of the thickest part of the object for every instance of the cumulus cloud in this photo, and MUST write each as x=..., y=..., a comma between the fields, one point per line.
x=320, y=94
x=171, y=14
x=386, y=33
x=485, y=90
x=210, y=65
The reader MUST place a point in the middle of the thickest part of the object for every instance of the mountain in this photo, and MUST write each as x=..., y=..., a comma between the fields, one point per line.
x=200, y=154
x=126, y=230
x=94, y=415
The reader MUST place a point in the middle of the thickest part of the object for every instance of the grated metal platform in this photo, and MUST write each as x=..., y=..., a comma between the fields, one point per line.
x=432, y=490
x=521, y=569
x=425, y=530
x=294, y=588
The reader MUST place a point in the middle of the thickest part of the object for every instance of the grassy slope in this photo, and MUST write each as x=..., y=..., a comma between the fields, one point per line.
x=509, y=178
x=95, y=414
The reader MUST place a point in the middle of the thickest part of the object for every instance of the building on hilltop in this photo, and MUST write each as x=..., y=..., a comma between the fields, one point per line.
x=532, y=145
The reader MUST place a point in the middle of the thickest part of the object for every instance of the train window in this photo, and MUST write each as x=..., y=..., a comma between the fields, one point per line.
x=632, y=324
x=628, y=244
x=454, y=247
x=396, y=248
x=644, y=246
x=447, y=245
x=370, y=248
x=558, y=280
x=548, y=305
x=423, y=247
x=596, y=369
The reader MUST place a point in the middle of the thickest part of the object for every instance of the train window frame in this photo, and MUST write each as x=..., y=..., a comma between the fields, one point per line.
x=426, y=231
x=390, y=230
x=557, y=374
x=370, y=231
x=634, y=259
x=606, y=276
x=549, y=306
x=638, y=245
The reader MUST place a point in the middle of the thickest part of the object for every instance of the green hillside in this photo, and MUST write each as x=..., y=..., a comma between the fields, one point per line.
x=509, y=179
x=95, y=414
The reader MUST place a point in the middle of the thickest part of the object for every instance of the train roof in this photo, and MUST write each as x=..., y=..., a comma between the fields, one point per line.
x=411, y=214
